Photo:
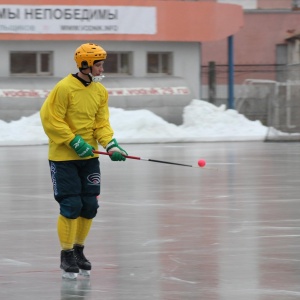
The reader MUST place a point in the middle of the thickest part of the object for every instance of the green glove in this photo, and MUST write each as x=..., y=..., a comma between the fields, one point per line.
x=82, y=148
x=118, y=152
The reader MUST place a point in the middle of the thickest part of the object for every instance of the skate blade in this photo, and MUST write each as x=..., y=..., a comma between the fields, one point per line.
x=69, y=275
x=84, y=273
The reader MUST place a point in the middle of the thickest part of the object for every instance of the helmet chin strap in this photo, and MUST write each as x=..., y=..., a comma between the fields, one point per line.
x=92, y=77
x=96, y=78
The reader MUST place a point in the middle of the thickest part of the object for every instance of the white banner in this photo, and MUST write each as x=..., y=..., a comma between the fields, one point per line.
x=55, y=19
x=138, y=91
x=146, y=91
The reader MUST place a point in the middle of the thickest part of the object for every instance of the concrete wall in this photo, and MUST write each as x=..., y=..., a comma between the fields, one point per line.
x=169, y=107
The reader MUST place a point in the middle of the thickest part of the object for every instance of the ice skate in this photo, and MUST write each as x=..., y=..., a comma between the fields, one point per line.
x=83, y=264
x=68, y=264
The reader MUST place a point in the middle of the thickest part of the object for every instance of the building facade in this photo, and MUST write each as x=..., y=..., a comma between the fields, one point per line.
x=266, y=64
x=154, y=50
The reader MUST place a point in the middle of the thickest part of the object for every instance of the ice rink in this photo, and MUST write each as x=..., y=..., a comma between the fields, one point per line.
x=230, y=231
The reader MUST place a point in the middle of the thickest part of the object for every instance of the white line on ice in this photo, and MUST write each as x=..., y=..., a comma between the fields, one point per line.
x=7, y=261
x=223, y=163
x=178, y=279
x=158, y=242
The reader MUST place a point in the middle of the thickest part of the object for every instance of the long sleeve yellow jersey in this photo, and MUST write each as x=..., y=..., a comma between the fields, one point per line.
x=74, y=109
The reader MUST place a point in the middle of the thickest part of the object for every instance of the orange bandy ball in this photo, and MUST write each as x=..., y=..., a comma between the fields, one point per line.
x=201, y=163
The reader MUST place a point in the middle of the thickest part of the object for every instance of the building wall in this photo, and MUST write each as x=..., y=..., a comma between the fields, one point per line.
x=169, y=105
x=255, y=48
x=256, y=42
x=139, y=26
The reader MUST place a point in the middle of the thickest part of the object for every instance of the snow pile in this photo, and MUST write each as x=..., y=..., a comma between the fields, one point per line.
x=202, y=121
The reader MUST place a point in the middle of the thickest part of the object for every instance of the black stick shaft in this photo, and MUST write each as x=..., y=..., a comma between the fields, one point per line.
x=168, y=162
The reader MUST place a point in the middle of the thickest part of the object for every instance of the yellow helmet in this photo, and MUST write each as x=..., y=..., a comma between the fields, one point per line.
x=86, y=54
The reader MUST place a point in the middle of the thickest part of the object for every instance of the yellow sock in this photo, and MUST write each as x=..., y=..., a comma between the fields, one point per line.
x=66, y=229
x=83, y=228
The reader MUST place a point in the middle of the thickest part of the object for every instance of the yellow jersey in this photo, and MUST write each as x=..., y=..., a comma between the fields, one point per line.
x=74, y=109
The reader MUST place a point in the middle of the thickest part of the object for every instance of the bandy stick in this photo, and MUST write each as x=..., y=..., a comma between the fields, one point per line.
x=201, y=162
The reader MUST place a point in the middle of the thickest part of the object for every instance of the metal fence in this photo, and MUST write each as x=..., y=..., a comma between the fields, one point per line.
x=268, y=93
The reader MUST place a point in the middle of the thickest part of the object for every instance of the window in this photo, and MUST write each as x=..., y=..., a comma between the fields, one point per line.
x=118, y=63
x=159, y=63
x=31, y=63
x=296, y=4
